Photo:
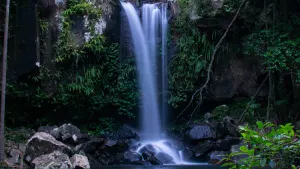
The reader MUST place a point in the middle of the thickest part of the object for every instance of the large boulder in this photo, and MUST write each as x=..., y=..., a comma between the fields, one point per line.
x=55, y=159
x=151, y=158
x=125, y=132
x=148, y=149
x=222, y=145
x=67, y=131
x=131, y=157
x=235, y=76
x=43, y=143
x=91, y=146
x=200, y=132
x=228, y=126
x=113, y=151
x=80, y=162
x=103, y=151
x=164, y=158
x=202, y=148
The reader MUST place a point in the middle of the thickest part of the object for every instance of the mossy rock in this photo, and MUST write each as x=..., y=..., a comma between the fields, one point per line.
x=220, y=111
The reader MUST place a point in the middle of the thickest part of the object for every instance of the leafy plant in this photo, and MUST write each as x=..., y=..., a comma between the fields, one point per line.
x=278, y=47
x=268, y=145
x=194, y=51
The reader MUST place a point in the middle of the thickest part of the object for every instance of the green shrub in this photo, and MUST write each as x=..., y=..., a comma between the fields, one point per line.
x=267, y=146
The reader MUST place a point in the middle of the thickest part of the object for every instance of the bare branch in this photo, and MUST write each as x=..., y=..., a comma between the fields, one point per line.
x=209, y=70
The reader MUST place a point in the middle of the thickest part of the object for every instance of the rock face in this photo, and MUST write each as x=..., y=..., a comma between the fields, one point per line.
x=43, y=143
x=207, y=140
x=199, y=132
x=131, y=157
x=235, y=76
x=67, y=131
x=91, y=146
x=55, y=159
x=164, y=158
x=80, y=162
x=202, y=148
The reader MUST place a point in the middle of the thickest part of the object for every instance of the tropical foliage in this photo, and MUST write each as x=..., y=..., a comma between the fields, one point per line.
x=267, y=146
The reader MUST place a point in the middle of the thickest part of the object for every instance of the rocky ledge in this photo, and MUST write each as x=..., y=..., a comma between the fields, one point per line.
x=67, y=147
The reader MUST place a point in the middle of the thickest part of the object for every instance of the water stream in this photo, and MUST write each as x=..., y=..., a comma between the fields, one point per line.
x=150, y=48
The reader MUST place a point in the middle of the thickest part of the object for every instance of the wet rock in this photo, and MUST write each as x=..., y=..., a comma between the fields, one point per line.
x=67, y=131
x=80, y=138
x=233, y=140
x=131, y=157
x=141, y=163
x=43, y=143
x=91, y=146
x=104, y=151
x=80, y=162
x=222, y=145
x=187, y=154
x=231, y=126
x=216, y=156
x=56, y=134
x=151, y=158
x=125, y=132
x=199, y=132
x=164, y=158
x=149, y=149
x=202, y=148
x=55, y=159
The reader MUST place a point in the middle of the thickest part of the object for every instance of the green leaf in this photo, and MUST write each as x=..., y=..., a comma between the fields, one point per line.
x=260, y=125
x=200, y=66
x=228, y=164
x=244, y=149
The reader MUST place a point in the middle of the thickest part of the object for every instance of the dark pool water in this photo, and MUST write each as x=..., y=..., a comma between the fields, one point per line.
x=162, y=167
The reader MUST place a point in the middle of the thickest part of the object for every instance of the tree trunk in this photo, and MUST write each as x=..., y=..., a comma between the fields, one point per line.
x=4, y=82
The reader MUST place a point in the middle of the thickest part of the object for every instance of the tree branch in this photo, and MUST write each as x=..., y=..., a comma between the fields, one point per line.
x=204, y=87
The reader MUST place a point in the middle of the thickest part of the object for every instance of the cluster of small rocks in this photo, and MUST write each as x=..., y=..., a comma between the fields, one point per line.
x=212, y=139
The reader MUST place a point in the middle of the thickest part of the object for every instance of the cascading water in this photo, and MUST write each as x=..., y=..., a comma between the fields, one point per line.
x=151, y=70
x=164, y=61
x=150, y=112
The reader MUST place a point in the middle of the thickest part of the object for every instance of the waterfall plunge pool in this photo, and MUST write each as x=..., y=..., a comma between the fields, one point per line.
x=162, y=167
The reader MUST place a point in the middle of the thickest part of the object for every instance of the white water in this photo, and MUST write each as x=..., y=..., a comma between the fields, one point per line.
x=161, y=146
x=146, y=51
x=150, y=115
x=164, y=61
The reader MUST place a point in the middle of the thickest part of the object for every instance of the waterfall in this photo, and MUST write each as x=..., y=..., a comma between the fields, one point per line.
x=150, y=49
x=150, y=120
x=164, y=62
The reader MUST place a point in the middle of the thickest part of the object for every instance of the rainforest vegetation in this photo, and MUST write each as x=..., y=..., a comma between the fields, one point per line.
x=237, y=58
